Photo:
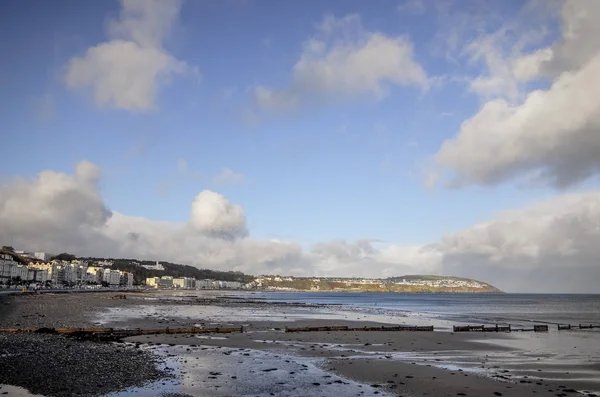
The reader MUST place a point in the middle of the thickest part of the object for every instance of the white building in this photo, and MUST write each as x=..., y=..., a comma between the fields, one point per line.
x=184, y=282
x=126, y=279
x=41, y=276
x=111, y=277
x=6, y=264
x=10, y=269
x=25, y=253
x=20, y=271
x=153, y=282
x=166, y=282
x=204, y=284
x=157, y=266
x=57, y=276
x=44, y=256
x=95, y=274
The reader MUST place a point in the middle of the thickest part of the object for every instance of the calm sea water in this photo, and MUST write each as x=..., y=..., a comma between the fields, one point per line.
x=471, y=308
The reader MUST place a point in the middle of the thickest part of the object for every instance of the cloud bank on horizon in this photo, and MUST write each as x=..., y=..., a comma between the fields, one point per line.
x=554, y=241
x=537, y=124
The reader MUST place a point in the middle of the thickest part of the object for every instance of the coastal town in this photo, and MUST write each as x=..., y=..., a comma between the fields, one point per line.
x=37, y=270
x=41, y=270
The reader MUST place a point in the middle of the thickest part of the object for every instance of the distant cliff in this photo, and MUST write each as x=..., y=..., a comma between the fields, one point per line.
x=403, y=284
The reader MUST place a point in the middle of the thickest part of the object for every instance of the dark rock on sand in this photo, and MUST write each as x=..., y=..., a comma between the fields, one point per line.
x=57, y=366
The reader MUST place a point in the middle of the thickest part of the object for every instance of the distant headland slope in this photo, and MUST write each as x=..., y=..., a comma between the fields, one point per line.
x=143, y=269
x=402, y=284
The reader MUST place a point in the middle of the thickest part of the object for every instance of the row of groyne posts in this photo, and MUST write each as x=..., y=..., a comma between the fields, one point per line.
x=508, y=328
x=108, y=334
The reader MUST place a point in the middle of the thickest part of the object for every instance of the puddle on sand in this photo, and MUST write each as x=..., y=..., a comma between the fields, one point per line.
x=211, y=371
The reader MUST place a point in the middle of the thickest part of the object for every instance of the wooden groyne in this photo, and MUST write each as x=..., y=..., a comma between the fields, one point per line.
x=347, y=328
x=117, y=334
x=567, y=327
x=482, y=328
x=498, y=328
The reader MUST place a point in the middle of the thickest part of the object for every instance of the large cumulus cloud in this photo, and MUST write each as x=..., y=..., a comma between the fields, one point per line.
x=214, y=215
x=56, y=211
x=553, y=134
x=548, y=246
x=343, y=60
x=128, y=70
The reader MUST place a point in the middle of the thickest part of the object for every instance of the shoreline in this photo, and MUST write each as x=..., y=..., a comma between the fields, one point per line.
x=394, y=363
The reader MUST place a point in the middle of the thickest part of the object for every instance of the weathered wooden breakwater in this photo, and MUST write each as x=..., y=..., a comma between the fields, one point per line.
x=107, y=334
x=498, y=328
x=347, y=328
x=567, y=327
x=481, y=328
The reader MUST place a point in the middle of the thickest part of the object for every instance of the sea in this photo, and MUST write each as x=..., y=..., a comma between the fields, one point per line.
x=476, y=309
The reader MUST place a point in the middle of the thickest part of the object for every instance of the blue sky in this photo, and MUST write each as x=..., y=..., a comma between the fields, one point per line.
x=343, y=171
x=344, y=162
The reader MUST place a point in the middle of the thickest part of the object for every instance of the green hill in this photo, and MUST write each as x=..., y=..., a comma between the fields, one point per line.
x=140, y=273
x=403, y=284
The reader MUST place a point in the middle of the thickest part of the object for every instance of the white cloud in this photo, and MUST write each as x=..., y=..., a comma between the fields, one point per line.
x=415, y=7
x=548, y=246
x=553, y=135
x=361, y=258
x=56, y=211
x=469, y=31
x=507, y=67
x=578, y=44
x=344, y=61
x=127, y=71
x=551, y=245
x=213, y=214
x=228, y=177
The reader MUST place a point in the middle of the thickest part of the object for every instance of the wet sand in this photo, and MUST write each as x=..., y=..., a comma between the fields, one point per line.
x=265, y=360
x=400, y=363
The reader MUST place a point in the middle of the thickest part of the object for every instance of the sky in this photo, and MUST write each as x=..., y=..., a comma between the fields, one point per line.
x=330, y=138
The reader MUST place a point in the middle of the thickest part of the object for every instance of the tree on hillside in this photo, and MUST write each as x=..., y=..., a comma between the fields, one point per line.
x=8, y=248
x=65, y=257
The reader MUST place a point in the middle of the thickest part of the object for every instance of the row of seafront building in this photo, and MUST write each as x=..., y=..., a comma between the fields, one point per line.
x=41, y=270
x=191, y=283
x=60, y=273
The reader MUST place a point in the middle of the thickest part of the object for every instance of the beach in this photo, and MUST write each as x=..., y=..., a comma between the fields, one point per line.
x=265, y=360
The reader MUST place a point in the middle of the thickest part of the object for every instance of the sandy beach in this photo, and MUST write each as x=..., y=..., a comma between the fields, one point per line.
x=265, y=360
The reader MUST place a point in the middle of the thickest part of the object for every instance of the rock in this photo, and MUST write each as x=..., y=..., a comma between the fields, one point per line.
x=51, y=361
